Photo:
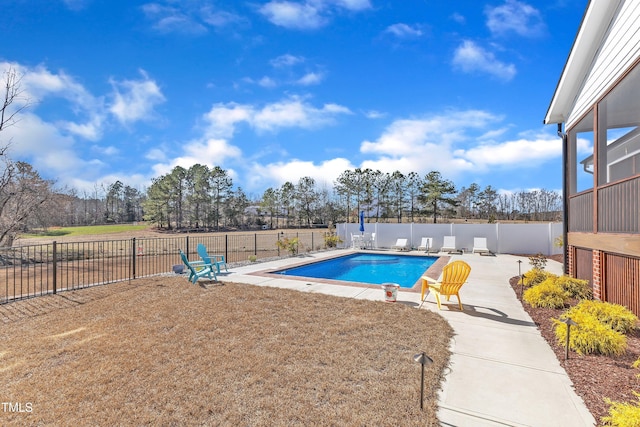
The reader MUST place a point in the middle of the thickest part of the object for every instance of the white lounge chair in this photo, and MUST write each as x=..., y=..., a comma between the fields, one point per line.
x=401, y=245
x=480, y=245
x=370, y=240
x=426, y=244
x=449, y=244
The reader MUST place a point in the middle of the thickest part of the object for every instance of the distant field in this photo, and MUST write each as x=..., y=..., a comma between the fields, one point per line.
x=86, y=230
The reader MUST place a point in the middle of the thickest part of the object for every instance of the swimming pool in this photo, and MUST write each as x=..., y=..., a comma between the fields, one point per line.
x=405, y=270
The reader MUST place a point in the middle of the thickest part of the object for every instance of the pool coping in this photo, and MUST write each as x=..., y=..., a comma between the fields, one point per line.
x=434, y=271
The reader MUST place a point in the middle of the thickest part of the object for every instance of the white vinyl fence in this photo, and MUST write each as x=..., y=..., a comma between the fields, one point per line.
x=501, y=238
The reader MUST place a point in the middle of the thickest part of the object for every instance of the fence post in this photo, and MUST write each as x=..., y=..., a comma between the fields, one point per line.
x=226, y=247
x=298, y=246
x=312, y=245
x=55, y=267
x=255, y=244
x=187, y=247
x=133, y=257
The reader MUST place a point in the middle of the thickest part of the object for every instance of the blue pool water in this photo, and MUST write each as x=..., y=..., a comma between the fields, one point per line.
x=367, y=268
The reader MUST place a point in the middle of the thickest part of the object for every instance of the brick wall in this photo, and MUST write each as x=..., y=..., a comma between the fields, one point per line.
x=597, y=274
x=570, y=256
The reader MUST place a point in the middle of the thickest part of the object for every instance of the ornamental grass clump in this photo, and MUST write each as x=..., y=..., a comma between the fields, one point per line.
x=547, y=294
x=536, y=276
x=623, y=414
x=575, y=288
x=616, y=316
x=590, y=336
x=600, y=328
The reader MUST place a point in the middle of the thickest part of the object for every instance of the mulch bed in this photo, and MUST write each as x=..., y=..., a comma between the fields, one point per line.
x=594, y=377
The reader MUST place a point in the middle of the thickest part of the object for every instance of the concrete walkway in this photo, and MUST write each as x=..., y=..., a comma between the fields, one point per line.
x=502, y=372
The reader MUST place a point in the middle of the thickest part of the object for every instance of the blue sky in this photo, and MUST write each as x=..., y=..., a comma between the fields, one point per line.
x=275, y=90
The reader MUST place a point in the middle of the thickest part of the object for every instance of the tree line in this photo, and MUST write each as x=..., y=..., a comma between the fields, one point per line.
x=205, y=198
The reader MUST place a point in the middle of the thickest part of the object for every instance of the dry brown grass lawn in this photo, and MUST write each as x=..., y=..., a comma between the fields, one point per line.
x=160, y=351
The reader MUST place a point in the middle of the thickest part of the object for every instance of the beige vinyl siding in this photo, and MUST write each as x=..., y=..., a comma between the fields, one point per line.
x=621, y=47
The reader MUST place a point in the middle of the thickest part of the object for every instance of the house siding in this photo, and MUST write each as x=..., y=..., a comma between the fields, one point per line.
x=620, y=49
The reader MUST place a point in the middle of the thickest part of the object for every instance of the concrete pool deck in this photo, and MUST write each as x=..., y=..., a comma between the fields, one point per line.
x=502, y=372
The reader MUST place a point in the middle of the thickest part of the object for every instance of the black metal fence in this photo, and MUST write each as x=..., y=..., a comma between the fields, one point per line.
x=28, y=271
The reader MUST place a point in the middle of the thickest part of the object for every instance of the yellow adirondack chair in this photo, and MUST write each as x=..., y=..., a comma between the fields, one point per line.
x=454, y=275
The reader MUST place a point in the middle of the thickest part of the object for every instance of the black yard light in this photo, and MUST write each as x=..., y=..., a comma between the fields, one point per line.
x=521, y=276
x=569, y=322
x=422, y=359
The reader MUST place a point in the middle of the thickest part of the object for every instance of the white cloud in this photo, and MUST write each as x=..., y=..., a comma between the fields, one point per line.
x=460, y=19
x=403, y=30
x=293, y=15
x=208, y=151
x=286, y=60
x=291, y=112
x=267, y=81
x=310, y=79
x=40, y=85
x=352, y=4
x=187, y=17
x=515, y=17
x=91, y=130
x=219, y=18
x=453, y=144
x=169, y=19
x=404, y=136
x=522, y=152
x=46, y=148
x=156, y=154
x=373, y=114
x=222, y=119
x=294, y=112
x=469, y=57
x=308, y=15
x=276, y=174
x=135, y=100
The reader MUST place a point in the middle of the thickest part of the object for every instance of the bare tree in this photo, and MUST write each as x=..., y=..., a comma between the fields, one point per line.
x=22, y=190
x=13, y=101
x=20, y=199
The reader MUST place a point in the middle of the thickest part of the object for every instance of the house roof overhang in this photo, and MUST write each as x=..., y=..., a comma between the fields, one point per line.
x=594, y=25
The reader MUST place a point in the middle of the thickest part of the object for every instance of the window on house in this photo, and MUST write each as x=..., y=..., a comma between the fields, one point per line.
x=580, y=155
x=619, y=125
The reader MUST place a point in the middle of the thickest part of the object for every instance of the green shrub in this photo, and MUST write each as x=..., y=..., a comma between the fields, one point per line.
x=535, y=276
x=590, y=336
x=332, y=240
x=615, y=316
x=288, y=244
x=622, y=414
x=546, y=294
x=575, y=288
x=558, y=242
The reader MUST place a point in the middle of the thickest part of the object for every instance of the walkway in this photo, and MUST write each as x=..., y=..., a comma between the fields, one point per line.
x=502, y=372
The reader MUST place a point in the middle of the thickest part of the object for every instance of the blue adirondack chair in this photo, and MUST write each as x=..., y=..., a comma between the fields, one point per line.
x=198, y=269
x=211, y=260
